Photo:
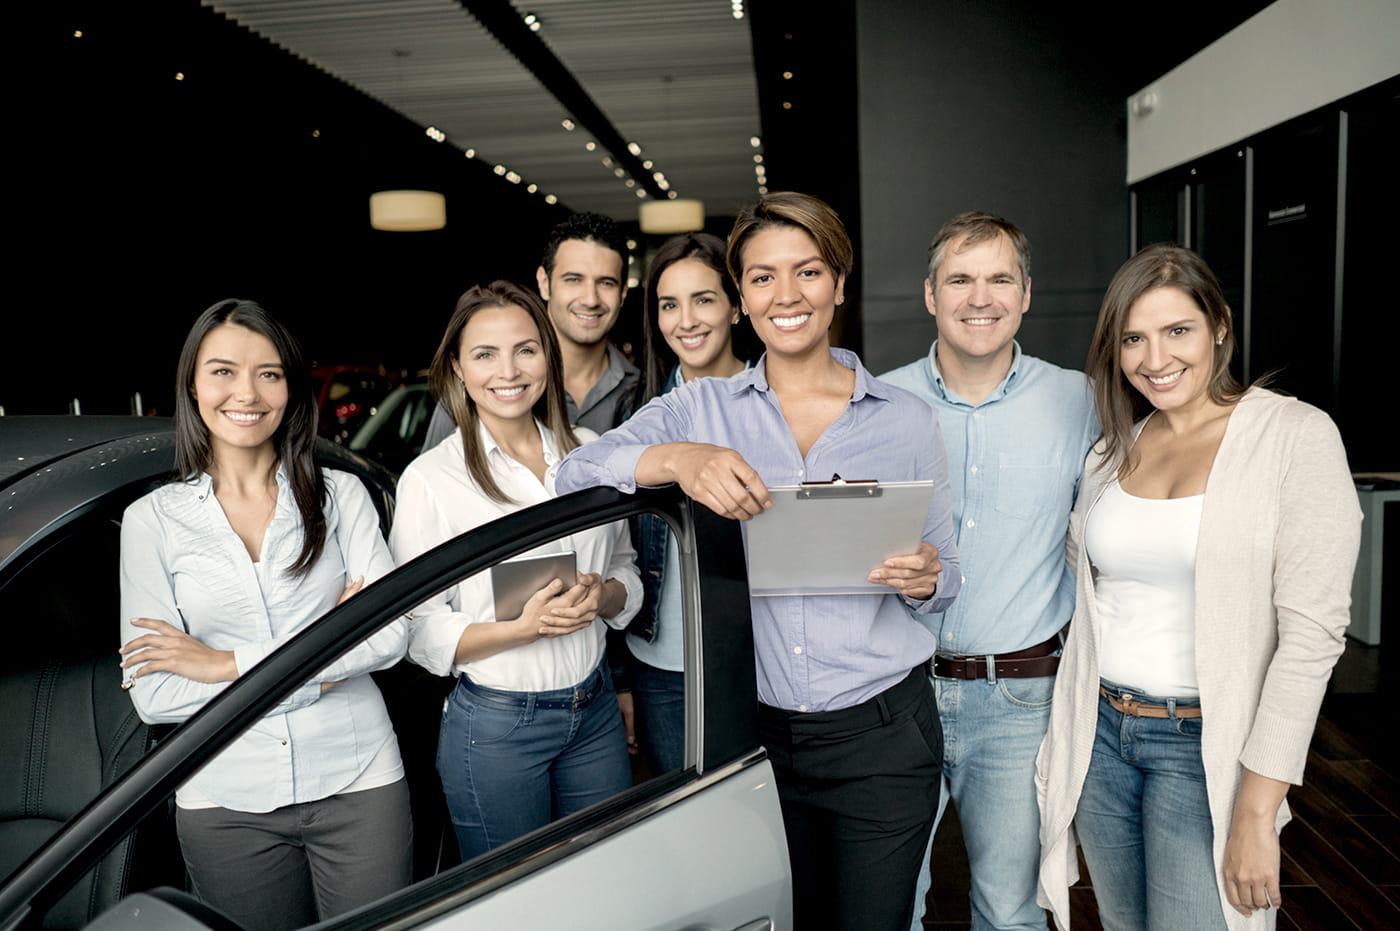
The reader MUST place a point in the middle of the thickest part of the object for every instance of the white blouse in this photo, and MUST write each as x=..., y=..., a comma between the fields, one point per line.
x=182, y=563
x=438, y=500
x=1143, y=551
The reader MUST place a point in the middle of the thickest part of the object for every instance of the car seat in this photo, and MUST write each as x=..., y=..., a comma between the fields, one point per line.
x=75, y=731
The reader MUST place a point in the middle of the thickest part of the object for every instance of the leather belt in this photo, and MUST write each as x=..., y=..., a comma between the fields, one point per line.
x=1138, y=709
x=1030, y=663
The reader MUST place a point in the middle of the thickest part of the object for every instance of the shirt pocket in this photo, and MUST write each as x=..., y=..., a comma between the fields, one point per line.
x=1026, y=490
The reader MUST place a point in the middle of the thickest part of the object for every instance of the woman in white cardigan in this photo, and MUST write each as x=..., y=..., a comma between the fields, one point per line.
x=1214, y=540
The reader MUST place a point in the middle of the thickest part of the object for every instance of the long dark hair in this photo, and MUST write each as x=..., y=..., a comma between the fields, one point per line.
x=657, y=357
x=551, y=409
x=1120, y=405
x=295, y=437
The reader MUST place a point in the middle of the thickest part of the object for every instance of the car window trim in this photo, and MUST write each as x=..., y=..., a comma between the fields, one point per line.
x=76, y=848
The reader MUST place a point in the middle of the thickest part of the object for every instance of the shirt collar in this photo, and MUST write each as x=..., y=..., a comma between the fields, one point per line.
x=1007, y=384
x=756, y=377
x=202, y=485
x=491, y=448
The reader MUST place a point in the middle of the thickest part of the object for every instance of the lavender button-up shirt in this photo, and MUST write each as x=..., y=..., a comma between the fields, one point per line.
x=820, y=652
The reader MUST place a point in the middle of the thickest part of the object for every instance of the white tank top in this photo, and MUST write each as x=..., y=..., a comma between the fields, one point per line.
x=1144, y=551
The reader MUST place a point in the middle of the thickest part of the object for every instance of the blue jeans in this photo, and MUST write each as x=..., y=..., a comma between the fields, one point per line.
x=992, y=730
x=509, y=766
x=1144, y=822
x=659, y=700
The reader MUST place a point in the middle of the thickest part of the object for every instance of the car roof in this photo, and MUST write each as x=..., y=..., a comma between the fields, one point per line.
x=28, y=443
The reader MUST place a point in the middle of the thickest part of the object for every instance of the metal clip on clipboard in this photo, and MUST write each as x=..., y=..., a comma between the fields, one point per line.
x=838, y=487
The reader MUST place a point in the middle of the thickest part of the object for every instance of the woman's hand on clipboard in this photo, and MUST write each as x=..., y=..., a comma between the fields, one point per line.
x=717, y=477
x=914, y=576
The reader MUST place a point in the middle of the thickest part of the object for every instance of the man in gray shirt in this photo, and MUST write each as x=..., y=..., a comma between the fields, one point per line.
x=583, y=279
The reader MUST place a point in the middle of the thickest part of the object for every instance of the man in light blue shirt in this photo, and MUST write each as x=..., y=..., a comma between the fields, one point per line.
x=1016, y=430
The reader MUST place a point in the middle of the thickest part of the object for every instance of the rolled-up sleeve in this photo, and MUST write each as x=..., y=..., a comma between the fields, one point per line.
x=611, y=460
x=419, y=525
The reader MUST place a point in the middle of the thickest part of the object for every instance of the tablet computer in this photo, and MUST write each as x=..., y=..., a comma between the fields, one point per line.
x=515, y=581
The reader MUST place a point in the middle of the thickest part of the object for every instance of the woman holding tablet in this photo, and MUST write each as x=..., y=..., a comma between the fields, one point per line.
x=846, y=711
x=531, y=732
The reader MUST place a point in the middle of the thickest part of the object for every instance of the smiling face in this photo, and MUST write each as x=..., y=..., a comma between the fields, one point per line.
x=1167, y=350
x=978, y=300
x=694, y=315
x=240, y=388
x=502, y=363
x=789, y=292
x=585, y=290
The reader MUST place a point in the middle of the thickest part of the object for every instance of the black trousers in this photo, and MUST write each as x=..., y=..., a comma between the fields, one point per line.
x=859, y=791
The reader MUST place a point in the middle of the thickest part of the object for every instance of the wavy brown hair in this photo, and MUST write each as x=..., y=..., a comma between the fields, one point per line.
x=1120, y=405
x=295, y=437
x=551, y=409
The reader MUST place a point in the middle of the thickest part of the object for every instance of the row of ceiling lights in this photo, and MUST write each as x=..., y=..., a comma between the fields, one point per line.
x=607, y=160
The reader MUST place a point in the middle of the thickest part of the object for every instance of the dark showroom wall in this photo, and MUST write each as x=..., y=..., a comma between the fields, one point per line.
x=167, y=159
x=1016, y=108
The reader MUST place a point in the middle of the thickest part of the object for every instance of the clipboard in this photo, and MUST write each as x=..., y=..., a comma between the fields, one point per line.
x=824, y=538
x=513, y=582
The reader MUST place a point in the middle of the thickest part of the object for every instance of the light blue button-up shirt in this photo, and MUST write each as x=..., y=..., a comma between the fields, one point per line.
x=182, y=563
x=814, y=653
x=1015, y=461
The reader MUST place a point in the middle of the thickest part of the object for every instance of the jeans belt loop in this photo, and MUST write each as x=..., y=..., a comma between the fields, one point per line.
x=991, y=669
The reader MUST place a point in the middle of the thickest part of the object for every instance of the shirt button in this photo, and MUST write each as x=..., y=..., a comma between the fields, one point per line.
x=284, y=743
x=948, y=635
x=973, y=470
x=972, y=523
x=797, y=650
x=624, y=487
x=801, y=707
x=801, y=472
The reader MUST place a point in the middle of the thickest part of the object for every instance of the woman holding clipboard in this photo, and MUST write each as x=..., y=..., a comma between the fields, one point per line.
x=846, y=711
x=531, y=732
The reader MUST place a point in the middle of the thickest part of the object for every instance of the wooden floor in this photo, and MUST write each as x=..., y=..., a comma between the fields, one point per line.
x=1341, y=853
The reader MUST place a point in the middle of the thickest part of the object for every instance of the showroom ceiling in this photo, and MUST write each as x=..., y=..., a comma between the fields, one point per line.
x=661, y=93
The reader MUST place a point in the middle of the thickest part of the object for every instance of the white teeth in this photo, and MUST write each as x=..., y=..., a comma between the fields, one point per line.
x=980, y=321
x=795, y=320
x=1166, y=379
x=241, y=417
x=690, y=342
x=508, y=392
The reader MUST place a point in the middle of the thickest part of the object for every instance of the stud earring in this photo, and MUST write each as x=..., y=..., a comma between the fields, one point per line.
x=1220, y=341
x=840, y=301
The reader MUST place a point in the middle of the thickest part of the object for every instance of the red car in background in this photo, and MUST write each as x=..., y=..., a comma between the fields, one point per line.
x=347, y=394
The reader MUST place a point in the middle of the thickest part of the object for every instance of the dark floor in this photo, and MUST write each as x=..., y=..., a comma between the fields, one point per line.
x=1341, y=853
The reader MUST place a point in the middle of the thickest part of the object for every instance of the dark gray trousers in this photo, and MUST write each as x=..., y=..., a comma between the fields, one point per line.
x=300, y=864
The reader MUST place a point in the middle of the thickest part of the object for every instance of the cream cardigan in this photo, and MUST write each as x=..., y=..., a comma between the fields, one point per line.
x=1280, y=528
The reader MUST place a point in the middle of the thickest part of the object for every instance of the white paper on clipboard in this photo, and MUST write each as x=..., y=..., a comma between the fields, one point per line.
x=824, y=538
